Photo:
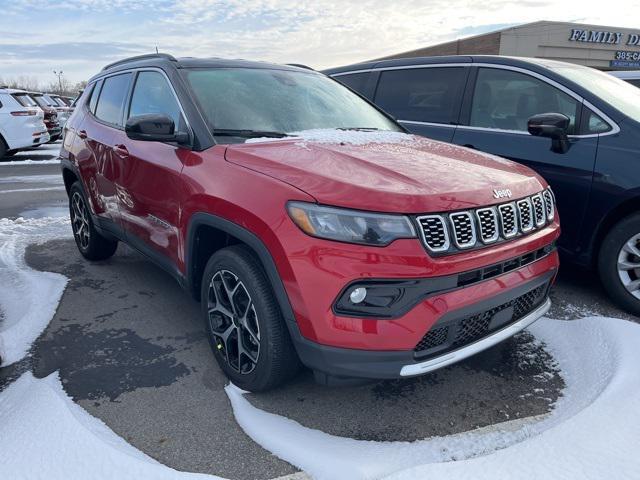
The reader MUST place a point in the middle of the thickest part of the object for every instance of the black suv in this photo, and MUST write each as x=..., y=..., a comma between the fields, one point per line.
x=576, y=126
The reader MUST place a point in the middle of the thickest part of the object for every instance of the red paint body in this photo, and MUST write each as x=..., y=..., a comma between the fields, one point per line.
x=153, y=189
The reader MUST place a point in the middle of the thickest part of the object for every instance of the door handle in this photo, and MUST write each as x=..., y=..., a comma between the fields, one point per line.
x=121, y=151
x=82, y=134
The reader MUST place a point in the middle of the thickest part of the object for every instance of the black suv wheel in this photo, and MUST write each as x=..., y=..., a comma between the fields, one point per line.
x=247, y=333
x=619, y=263
x=91, y=244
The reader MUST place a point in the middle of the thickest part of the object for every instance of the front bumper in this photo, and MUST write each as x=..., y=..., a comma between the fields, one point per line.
x=351, y=363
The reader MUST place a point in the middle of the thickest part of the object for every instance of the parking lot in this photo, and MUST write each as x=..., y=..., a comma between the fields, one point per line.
x=130, y=349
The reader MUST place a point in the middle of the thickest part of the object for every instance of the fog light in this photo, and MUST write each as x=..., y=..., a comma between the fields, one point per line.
x=358, y=295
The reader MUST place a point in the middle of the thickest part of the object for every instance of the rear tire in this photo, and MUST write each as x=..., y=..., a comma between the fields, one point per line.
x=91, y=244
x=619, y=263
x=247, y=332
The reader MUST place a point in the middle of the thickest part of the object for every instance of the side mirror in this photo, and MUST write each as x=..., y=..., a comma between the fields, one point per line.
x=154, y=127
x=551, y=125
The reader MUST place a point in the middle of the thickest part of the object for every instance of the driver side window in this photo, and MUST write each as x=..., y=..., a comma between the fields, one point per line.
x=152, y=94
x=504, y=99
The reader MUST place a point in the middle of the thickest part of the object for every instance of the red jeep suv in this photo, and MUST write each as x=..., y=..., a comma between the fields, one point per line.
x=311, y=227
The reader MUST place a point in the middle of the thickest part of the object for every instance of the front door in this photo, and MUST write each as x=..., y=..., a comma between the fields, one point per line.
x=502, y=103
x=149, y=191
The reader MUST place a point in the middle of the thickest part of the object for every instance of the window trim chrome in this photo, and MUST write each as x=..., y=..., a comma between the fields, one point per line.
x=615, y=128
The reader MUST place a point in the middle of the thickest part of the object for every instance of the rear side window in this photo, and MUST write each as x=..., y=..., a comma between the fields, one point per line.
x=422, y=94
x=95, y=93
x=593, y=123
x=152, y=94
x=355, y=81
x=111, y=100
x=504, y=99
x=25, y=100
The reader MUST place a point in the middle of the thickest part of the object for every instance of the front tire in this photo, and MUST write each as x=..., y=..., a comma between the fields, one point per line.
x=619, y=263
x=247, y=332
x=91, y=244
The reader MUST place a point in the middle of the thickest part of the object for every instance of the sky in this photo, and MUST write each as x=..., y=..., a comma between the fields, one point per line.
x=80, y=36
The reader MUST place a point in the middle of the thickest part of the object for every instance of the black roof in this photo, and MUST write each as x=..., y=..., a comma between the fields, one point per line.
x=403, y=62
x=168, y=61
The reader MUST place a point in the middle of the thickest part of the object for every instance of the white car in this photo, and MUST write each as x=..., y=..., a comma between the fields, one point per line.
x=21, y=122
x=631, y=76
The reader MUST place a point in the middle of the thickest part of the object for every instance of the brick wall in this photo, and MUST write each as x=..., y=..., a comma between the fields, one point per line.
x=488, y=44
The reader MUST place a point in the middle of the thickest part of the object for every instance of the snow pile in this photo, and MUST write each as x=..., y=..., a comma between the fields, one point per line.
x=47, y=436
x=592, y=432
x=347, y=137
x=28, y=298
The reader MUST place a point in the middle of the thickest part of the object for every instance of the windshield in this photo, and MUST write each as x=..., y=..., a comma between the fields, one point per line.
x=239, y=102
x=619, y=94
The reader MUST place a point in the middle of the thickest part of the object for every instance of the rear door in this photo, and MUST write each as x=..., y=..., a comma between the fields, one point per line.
x=101, y=123
x=494, y=120
x=149, y=187
x=426, y=99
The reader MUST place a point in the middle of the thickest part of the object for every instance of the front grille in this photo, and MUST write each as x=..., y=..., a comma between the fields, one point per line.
x=434, y=232
x=538, y=210
x=548, y=204
x=488, y=221
x=457, y=333
x=448, y=233
x=464, y=232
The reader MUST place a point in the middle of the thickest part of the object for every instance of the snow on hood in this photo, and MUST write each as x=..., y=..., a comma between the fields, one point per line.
x=343, y=137
x=593, y=431
x=385, y=171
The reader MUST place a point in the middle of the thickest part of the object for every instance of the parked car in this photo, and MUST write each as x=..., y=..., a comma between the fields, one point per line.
x=631, y=76
x=50, y=116
x=574, y=125
x=63, y=110
x=357, y=249
x=21, y=122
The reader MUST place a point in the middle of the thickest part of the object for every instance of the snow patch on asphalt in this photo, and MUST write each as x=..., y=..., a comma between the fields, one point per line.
x=591, y=433
x=28, y=298
x=47, y=436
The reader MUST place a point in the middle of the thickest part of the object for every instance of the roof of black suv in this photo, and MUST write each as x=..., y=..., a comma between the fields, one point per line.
x=404, y=62
x=166, y=60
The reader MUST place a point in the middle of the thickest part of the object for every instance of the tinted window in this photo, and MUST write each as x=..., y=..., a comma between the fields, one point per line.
x=95, y=93
x=355, y=81
x=152, y=94
x=422, y=94
x=25, y=100
x=506, y=100
x=593, y=123
x=110, y=103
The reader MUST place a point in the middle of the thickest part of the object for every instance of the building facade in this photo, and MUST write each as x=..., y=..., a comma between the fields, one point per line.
x=604, y=48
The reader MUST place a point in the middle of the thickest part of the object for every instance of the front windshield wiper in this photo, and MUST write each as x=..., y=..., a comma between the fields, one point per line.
x=230, y=132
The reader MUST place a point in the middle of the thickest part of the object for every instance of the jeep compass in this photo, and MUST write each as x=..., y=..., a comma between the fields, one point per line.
x=311, y=227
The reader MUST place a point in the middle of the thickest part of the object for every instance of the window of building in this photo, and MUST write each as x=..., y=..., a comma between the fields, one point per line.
x=422, y=94
x=111, y=100
x=152, y=94
x=504, y=99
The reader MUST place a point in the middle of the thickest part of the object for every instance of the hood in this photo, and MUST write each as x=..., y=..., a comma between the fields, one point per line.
x=388, y=173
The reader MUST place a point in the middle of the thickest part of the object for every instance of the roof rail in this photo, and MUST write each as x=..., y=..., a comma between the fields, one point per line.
x=166, y=56
x=300, y=65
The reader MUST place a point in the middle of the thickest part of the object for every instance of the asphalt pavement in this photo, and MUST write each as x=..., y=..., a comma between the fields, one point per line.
x=131, y=349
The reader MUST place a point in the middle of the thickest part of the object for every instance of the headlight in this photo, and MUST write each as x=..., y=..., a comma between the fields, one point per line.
x=351, y=226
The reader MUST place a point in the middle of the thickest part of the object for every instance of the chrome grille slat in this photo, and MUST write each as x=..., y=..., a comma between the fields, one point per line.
x=488, y=224
x=525, y=215
x=461, y=230
x=539, y=214
x=464, y=229
x=508, y=220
